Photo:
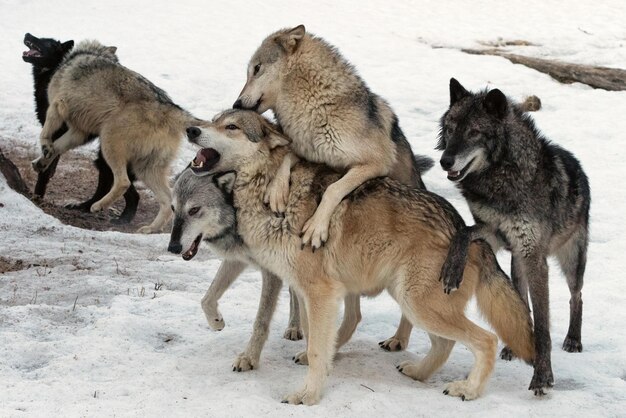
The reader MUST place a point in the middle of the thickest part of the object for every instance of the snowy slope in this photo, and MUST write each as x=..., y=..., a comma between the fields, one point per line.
x=85, y=333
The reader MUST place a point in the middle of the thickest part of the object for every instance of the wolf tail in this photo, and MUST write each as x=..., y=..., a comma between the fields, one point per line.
x=502, y=306
x=423, y=163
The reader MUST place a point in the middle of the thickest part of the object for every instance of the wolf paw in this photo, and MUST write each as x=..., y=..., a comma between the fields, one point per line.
x=96, y=207
x=147, y=229
x=293, y=334
x=47, y=150
x=315, y=231
x=214, y=318
x=463, y=389
x=301, y=358
x=412, y=369
x=451, y=276
x=393, y=344
x=542, y=381
x=41, y=164
x=245, y=362
x=303, y=397
x=572, y=345
x=507, y=354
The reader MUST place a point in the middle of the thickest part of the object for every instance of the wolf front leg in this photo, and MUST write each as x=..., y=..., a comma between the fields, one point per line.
x=321, y=311
x=535, y=271
x=315, y=230
x=69, y=140
x=277, y=192
x=453, y=267
x=249, y=359
x=227, y=273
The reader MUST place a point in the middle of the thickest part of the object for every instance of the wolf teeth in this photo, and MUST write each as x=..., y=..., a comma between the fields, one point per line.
x=197, y=165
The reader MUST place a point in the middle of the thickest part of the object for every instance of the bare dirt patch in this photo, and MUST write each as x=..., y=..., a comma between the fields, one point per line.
x=75, y=181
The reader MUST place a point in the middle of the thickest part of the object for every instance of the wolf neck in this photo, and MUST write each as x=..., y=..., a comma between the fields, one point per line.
x=42, y=77
x=255, y=175
x=308, y=73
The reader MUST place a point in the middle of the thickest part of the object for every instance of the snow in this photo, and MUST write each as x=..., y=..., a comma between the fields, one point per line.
x=84, y=332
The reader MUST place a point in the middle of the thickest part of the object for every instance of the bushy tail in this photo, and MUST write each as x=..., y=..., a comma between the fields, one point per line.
x=423, y=163
x=502, y=306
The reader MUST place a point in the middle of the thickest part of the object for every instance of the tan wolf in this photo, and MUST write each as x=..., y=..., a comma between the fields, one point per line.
x=332, y=118
x=383, y=236
x=138, y=124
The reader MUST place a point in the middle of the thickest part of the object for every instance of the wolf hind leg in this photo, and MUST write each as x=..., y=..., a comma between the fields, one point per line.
x=400, y=339
x=435, y=358
x=572, y=257
x=116, y=159
x=293, y=331
x=157, y=181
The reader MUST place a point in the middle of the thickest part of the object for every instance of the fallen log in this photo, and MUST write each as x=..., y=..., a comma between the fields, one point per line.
x=13, y=176
x=613, y=79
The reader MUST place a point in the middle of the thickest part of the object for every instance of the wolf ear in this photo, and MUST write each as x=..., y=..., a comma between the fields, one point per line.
x=496, y=103
x=275, y=138
x=111, y=49
x=226, y=181
x=67, y=46
x=457, y=91
x=291, y=39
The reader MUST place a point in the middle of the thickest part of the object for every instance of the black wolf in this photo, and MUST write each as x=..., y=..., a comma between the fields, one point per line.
x=45, y=55
x=526, y=194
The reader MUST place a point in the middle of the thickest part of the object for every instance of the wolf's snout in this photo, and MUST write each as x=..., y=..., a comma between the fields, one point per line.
x=193, y=132
x=447, y=161
x=175, y=247
x=238, y=104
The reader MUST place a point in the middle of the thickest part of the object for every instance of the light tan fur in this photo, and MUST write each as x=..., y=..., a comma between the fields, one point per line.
x=137, y=123
x=332, y=118
x=384, y=236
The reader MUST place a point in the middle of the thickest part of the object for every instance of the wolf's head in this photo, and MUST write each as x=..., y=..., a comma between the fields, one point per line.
x=267, y=68
x=45, y=52
x=202, y=210
x=232, y=139
x=472, y=130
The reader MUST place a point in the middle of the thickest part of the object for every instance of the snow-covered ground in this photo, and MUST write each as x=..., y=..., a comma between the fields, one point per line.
x=84, y=332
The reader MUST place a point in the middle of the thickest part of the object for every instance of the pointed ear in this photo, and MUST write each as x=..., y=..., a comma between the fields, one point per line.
x=291, y=39
x=111, y=49
x=226, y=181
x=67, y=46
x=496, y=103
x=275, y=138
x=457, y=91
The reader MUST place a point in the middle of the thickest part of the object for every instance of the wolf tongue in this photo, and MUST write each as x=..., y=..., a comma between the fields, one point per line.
x=200, y=157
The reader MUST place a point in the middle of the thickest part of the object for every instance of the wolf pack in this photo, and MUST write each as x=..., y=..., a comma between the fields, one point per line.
x=328, y=198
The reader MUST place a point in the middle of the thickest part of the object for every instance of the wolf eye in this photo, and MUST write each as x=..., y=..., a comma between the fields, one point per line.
x=231, y=127
x=257, y=68
x=194, y=210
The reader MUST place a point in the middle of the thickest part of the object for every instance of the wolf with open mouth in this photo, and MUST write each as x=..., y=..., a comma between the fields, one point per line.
x=383, y=236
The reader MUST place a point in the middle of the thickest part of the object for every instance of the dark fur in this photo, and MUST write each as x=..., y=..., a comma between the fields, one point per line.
x=44, y=67
x=531, y=196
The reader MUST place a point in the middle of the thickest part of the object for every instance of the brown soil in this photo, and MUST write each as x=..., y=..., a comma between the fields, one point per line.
x=75, y=180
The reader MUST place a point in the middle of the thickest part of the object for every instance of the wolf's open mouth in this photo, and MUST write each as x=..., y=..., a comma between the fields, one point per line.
x=193, y=250
x=32, y=52
x=458, y=175
x=205, y=160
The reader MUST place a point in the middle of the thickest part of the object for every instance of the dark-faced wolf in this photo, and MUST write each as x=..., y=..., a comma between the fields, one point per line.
x=332, y=118
x=45, y=55
x=138, y=124
x=526, y=194
x=383, y=236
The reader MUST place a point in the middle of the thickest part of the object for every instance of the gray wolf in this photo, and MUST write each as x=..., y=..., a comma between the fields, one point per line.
x=526, y=194
x=332, y=118
x=383, y=236
x=45, y=55
x=204, y=212
x=138, y=124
